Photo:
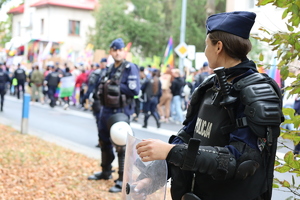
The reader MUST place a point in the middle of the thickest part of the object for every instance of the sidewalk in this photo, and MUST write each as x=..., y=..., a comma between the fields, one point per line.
x=32, y=168
x=39, y=165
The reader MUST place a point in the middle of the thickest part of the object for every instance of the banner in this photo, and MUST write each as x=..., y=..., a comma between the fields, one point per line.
x=67, y=85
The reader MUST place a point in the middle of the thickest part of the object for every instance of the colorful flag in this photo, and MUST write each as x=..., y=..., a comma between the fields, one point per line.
x=67, y=86
x=127, y=48
x=274, y=72
x=169, y=55
x=57, y=91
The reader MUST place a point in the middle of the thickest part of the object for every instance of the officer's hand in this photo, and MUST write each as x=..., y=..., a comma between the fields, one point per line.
x=140, y=187
x=153, y=149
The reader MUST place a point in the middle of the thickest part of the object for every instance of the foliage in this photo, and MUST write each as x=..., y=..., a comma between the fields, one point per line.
x=150, y=24
x=143, y=27
x=287, y=47
x=5, y=31
x=3, y=2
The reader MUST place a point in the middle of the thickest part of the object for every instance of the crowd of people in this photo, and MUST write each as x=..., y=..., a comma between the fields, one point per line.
x=169, y=104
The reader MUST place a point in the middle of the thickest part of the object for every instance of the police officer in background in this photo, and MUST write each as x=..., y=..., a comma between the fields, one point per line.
x=93, y=79
x=97, y=76
x=20, y=75
x=128, y=76
x=52, y=80
x=4, y=79
x=226, y=149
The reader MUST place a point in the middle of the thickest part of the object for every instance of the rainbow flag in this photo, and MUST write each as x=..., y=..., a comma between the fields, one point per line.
x=57, y=91
x=274, y=72
x=169, y=55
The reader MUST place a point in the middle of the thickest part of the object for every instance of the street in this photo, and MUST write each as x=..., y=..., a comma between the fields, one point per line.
x=76, y=129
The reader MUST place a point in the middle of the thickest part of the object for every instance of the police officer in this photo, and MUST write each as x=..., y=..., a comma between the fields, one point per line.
x=128, y=76
x=52, y=80
x=93, y=78
x=97, y=76
x=4, y=79
x=226, y=149
x=20, y=75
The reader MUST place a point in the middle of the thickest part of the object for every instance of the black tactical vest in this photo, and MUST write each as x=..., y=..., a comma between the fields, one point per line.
x=20, y=74
x=211, y=118
x=53, y=79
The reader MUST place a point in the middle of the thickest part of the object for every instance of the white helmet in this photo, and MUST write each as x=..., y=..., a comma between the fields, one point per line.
x=118, y=125
x=118, y=133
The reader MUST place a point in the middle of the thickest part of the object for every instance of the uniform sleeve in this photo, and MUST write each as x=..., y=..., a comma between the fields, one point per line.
x=130, y=84
x=47, y=77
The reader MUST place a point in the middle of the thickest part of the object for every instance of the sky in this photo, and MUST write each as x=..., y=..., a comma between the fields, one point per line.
x=6, y=7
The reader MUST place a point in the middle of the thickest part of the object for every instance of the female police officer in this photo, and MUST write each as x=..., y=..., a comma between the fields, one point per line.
x=235, y=113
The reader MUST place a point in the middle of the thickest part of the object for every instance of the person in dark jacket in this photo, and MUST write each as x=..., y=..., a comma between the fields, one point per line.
x=227, y=147
x=52, y=81
x=20, y=75
x=151, y=90
x=176, y=90
x=93, y=78
x=4, y=79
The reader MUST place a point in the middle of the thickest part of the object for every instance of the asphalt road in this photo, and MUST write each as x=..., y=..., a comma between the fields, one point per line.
x=76, y=129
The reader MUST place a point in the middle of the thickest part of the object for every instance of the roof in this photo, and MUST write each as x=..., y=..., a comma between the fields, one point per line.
x=17, y=10
x=79, y=4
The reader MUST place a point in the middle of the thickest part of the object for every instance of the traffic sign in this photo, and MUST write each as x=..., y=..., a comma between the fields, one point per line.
x=182, y=50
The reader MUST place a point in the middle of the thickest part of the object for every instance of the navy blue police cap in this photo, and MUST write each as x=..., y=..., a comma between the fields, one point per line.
x=117, y=44
x=237, y=23
x=103, y=60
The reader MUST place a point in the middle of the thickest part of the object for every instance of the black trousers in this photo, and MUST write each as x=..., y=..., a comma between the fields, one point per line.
x=2, y=93
x=20, y=84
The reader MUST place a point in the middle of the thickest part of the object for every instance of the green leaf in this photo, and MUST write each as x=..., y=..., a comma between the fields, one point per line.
x=296, y=21
x=289, y=157
x=276, y=163
x=261, y=57
x=283, y=169
x=290, y=28
x=281, y=3
x=285, y=183
x=295, y=9
x=288, y=111
x=263, y=2
x=284, y=72
x=275, y=185
x=284, y=14
x=297, y=46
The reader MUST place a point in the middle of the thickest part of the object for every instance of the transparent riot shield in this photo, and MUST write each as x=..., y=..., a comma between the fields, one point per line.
x=136, y=170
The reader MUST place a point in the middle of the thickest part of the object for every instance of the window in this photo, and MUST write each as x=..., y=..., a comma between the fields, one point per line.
x=74, y=27
x=42, y=26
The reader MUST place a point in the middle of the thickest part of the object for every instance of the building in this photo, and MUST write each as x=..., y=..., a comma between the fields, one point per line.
x=55, y=26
